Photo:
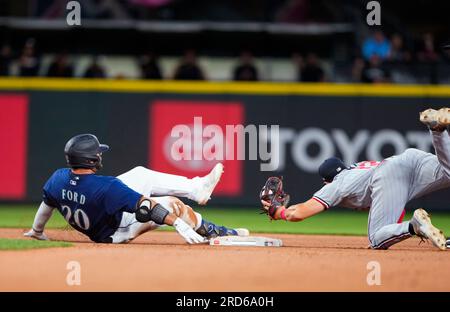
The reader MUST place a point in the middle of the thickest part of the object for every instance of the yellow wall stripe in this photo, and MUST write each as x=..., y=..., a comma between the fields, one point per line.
x=261, y=88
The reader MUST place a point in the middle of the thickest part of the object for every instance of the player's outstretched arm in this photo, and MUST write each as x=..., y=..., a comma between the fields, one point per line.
x=275, y=200
x=298, y=212
x=149, y=210
x=40, y=220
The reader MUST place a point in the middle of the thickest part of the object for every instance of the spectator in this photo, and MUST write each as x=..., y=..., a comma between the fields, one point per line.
x=95, y=70
x=150, y=67
x=60, y=67
x=447, y=51
x=120, y=76
x=398, y=52
x=376, y=45
x=357, y=69
x=312, y=71
x=29, y=63
x=188, y=69
x=427, y=49
x=374, y=71
x=299, y=62
x=246, y=70
x=5, y=60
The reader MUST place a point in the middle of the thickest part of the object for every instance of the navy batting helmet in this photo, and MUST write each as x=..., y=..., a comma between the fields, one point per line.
x=330, y=168
x=84, y=151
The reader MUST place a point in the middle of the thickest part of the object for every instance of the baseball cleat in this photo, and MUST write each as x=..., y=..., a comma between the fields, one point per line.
x=242, y=232
x=423, y=228
x=429, y=117
x=436, y=120
x=208, y=183
x=210, y=230
x=443, y=117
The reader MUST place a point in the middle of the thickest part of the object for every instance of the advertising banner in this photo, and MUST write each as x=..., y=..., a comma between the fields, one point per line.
x=254, y=134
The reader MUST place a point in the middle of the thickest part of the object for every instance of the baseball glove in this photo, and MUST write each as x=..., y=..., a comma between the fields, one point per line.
x=272, y=192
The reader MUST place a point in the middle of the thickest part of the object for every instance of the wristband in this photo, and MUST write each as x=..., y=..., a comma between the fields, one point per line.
x=283, y=214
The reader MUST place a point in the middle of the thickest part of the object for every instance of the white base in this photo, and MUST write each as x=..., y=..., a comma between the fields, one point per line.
x=248, y=241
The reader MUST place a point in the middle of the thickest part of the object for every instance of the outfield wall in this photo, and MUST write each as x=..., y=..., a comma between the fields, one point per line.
x=355, y=122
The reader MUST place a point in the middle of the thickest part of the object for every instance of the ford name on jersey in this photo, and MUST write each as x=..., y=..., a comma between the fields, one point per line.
x=91, y=203
x=73, y=196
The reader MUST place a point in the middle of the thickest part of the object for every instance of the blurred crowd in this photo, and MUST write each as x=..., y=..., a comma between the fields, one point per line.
x=379, y=51
x=371, y=64
x=29, y=63
x=188, y=68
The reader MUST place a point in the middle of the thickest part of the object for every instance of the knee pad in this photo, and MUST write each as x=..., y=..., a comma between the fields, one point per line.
x=156, y=214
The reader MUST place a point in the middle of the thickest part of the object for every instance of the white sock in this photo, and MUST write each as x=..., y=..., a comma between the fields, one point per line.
x=199, y=221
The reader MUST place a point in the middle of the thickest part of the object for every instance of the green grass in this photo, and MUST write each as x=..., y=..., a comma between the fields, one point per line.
x=15, y=216
x=21, y=244
x=339, y=222
x=335, y=222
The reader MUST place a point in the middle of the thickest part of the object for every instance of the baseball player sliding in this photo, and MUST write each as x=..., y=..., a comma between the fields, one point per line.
x=382, y=187
x=117, y=210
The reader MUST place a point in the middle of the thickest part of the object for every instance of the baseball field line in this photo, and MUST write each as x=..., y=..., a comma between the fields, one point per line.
x=250, y=88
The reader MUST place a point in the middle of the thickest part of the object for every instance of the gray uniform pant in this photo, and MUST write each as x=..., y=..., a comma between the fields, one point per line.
x=399, y=179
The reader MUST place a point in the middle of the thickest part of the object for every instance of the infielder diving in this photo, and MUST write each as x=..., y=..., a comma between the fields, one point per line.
x=382, y=187
x=117, y=210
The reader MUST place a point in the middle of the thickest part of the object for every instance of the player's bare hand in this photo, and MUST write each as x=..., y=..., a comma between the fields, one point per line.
x=33, y=234
x=265, y=204
x=277, y=214
x=188, y=233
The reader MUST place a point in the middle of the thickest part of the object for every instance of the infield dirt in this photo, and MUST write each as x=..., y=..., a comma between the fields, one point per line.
x=161, y=261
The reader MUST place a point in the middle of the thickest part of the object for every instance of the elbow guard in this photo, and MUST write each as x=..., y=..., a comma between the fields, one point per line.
x=156, y=214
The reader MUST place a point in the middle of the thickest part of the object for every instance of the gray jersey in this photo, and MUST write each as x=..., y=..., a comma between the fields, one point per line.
x=386, y=187
x=350, y=188
x=417, y=170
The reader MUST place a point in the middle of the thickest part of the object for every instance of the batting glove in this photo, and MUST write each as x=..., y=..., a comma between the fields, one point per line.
x=187, y=232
